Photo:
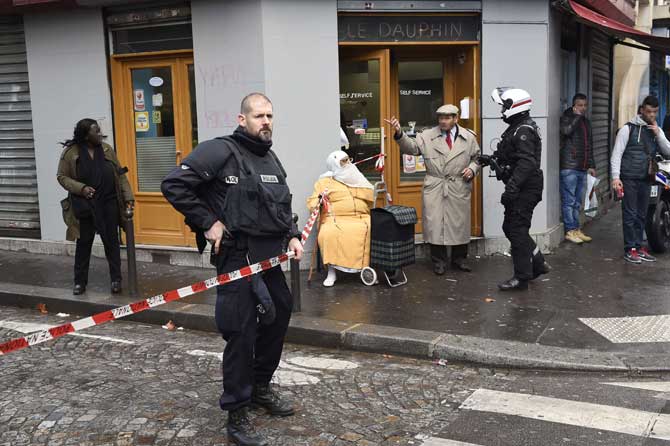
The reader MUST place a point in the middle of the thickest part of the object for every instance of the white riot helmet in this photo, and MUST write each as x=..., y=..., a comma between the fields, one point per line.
x=512, y=100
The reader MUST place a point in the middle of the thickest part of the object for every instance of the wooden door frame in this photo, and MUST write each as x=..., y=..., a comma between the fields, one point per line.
x=424, y=51
x=124, y=122
x=383, y=55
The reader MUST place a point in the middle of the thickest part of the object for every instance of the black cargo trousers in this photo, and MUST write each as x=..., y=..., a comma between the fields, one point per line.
x=526, y=256
x=253, y=350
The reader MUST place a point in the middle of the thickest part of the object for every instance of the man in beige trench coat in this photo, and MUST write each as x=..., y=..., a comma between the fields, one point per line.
x=450, y=152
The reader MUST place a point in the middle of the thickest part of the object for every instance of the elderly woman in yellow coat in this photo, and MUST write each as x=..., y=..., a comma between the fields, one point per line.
x=344, y=231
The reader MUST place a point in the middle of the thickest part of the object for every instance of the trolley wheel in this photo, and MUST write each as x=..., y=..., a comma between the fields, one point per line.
x=369, y=276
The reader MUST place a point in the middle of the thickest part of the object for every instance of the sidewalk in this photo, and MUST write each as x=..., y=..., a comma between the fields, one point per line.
x=458, y=316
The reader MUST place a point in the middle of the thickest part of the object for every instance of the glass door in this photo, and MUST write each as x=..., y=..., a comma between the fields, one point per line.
x=156, y=127
x=364, y=105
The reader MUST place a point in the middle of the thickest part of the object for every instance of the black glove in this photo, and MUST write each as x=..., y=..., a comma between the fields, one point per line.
x=508, y=197
x=484, y=160
x=265, y=307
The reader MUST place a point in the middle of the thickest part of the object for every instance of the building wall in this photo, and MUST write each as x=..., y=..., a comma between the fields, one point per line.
x=551, y=134
x=68, y=81
x=302, y=78
x=228, y=55
x=260, y=46
x=520, y=46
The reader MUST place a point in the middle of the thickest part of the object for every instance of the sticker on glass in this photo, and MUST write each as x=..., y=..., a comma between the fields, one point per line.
x=156, y=81
x=142, y=121
x=138, y=96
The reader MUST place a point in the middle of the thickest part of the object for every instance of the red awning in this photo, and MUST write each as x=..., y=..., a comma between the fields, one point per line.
x=615, y=28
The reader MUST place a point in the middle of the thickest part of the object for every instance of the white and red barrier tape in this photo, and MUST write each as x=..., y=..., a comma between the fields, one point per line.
x=137, y=307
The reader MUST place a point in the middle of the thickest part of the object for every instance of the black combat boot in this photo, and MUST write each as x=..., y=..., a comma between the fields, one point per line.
x=267, y=398
x=542, y=269
x=240, y=430
x=513, y=284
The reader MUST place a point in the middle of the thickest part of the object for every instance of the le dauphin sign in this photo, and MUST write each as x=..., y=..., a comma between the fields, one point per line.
x=383, y=28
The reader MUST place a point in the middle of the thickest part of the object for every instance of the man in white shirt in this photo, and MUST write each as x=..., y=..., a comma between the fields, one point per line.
x=637, y=144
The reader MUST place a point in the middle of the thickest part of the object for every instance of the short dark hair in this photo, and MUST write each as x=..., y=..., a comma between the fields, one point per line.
x=651, y=101
x=579, y=97
x=245, y=106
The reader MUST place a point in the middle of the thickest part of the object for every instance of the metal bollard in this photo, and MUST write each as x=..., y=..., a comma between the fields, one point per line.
x=295, y=279
x=130, y=250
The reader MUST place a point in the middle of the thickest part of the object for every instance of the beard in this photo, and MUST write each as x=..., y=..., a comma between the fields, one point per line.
x=265, y=134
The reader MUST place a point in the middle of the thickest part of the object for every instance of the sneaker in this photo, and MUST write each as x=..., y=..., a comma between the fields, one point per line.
x=632, y=256
x=645, y=256
x=573, y=236
x=584, y=237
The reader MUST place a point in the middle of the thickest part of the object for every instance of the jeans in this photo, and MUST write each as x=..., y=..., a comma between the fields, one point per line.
x=573, y=183
x=634, y=205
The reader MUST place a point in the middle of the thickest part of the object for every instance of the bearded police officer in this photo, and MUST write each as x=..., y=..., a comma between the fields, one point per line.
x=518, y=155
x=233, y=192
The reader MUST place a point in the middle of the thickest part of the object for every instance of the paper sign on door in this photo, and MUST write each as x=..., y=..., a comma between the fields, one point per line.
x=141, y=121
x=138, y=96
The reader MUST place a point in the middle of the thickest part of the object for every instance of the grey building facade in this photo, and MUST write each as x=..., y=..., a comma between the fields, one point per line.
x=325, y=65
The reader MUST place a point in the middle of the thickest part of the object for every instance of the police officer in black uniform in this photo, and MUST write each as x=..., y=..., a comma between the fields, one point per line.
x=518, y=156
x=233, y=192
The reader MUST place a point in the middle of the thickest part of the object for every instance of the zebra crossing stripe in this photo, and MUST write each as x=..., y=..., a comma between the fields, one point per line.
x=654, y=386
x=434, y=441
x=574, y=413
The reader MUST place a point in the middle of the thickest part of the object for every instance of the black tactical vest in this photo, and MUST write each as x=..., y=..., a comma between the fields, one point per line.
x=258, y=200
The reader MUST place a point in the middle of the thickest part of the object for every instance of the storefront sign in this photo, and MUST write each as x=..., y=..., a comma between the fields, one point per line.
x=156, y=117
x=362, y=95
x=381, y=28
x=416, y=92
x=141, y=121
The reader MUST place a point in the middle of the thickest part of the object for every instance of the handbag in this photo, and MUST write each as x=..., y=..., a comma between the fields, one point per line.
x=81, y=207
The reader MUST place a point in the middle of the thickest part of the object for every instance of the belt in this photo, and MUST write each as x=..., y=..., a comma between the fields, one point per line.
x=446, y=177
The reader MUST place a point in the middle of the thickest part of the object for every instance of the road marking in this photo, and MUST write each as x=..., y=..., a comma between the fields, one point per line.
x=321, y=363
x=32, y=327
x=574, y=413
x=621, y=330
x=654, y=386
x=296, y=370
x=288, y=378
x=434, y=441
x=204, y=353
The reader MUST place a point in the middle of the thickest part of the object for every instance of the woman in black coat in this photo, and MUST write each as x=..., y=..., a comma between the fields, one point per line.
x=98, y=194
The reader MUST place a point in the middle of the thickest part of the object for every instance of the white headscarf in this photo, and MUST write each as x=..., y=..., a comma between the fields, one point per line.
x=347, y=174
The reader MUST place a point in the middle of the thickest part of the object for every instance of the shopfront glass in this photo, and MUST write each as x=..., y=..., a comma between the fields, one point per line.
x=359, y=108
x=421, y=92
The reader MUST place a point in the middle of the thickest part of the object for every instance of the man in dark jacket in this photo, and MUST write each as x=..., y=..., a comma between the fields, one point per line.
x=576, y=160
x=233, y=191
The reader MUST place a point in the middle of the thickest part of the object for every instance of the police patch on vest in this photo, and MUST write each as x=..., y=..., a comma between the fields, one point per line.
x=269, y=179
x=231, y=180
